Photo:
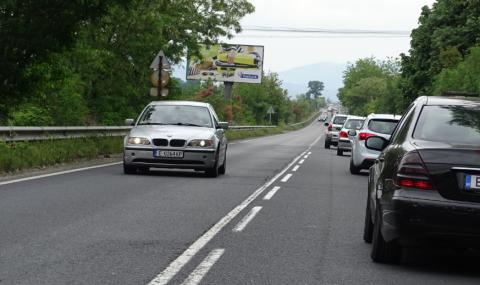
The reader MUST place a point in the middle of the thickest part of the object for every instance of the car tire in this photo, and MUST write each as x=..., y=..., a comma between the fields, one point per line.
x=353, y=169
x=368, y=225
x=383, y=251
x=339, y=152
x=127, y=169
x=213, y=171
x=327, y=144
x=223, y=168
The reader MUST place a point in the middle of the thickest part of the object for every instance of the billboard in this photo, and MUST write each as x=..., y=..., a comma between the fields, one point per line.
x=227, y=62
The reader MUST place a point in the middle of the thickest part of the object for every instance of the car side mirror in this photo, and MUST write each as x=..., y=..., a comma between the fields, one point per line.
x=223, y=125
x=326, y=124
x=376, y=143
x=352, y=133
x=129, y=122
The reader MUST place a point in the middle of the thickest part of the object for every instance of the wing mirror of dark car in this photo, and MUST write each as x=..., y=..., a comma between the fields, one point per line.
x=223, y=125
x=376, y=143
x=326, y=124
x=352, y=133
x=129, y=122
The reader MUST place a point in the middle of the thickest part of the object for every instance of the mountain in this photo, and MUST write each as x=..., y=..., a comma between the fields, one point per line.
x=296, y=80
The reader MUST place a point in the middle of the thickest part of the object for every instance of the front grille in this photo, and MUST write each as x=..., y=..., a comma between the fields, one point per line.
x=160, y=142
x=177, y=143
x=168, y=161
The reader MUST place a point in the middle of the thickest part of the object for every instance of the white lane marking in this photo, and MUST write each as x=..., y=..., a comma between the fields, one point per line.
x=175, y=266
x=271, y=193
x=306, y=156
x=301, y=161
x=247, y=219
x=309, y=152
x=287, y=177
x=296, y=168
x=57, y=173
x=202, y=269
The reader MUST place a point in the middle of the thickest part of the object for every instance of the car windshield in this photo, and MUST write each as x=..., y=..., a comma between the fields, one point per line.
x=354, y=124
x=450, y=124
x=382, y=126
x=176, y=115
x=340, y=120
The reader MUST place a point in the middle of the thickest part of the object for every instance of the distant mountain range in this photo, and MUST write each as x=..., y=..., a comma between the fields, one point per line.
x=331, y=74
x=296, y=80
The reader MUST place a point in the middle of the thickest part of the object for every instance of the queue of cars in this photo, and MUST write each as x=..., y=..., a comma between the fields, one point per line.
x=424, y=176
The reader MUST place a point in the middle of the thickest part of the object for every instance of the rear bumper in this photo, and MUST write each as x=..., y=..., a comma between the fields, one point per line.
x=414, y=217
x=332, y=137
x=344, y=145
x=192, y=159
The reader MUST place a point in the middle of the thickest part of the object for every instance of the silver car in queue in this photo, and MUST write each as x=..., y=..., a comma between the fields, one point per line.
x=176, y=134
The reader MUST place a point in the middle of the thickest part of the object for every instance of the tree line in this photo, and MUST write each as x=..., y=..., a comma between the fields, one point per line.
x=444, y=56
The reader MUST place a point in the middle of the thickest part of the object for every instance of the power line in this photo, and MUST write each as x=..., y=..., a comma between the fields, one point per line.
x=327, y=31
x=323, y=36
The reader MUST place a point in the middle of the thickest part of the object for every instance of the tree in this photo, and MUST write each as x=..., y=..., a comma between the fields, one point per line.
x=315, y=88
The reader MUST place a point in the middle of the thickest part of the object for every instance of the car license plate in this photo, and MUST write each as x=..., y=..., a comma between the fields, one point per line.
x=472, y=182
x=168, y=153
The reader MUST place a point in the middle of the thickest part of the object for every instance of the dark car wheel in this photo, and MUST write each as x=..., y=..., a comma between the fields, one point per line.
x=327, y=144
x=353, y=168
x=223, y=168
x=213, y=171
x=339, y=152
x=127, y=169
x=368, y=226
x=383, y=251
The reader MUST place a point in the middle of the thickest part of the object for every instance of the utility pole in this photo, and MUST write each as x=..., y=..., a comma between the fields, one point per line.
x=227, y=91
x=160, y=67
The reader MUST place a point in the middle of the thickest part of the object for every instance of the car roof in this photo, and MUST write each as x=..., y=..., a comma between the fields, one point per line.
x=181, y=103
x=355, y=117
x=448, y=100
x=340, y=115
x=384, y=116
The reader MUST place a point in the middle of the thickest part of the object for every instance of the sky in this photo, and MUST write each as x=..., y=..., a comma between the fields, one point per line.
x=284, y=51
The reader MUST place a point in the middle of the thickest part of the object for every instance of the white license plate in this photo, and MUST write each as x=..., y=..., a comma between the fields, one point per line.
x=472, y=182
x=168, y=153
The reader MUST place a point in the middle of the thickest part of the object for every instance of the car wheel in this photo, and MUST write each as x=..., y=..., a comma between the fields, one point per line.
x=368, y=225
x=353, y=168
x=127, y=169
x=383, y=251
x=213, y=171
x=339, y=152
x=223, y=168
x=327, y=144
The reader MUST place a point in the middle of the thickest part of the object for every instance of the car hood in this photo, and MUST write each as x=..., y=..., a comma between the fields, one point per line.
x=172, y=132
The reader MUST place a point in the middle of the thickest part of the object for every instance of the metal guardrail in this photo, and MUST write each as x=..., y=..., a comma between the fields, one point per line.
x=10, y=134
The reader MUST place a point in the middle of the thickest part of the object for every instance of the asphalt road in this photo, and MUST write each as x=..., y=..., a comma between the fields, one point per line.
x=99, y=226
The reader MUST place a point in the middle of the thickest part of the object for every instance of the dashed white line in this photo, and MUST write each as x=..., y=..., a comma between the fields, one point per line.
x=175, y=266
x=309, y=152
x=306, y=156
x=286, y=177
x=202, y=269
x=271, y=193
x=296, y=168
x=249, y=217
x=58, y=173
x=301, y=161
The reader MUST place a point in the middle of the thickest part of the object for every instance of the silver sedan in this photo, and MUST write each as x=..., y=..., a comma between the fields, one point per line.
x=176, y=134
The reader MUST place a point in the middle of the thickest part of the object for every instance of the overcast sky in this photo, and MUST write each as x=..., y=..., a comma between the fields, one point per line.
x=283, y=52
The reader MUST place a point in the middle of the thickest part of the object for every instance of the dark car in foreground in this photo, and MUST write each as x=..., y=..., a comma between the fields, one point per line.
x=424, y=188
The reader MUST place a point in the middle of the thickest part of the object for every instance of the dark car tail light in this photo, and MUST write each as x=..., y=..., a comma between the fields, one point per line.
x=330, y=126
x=343, y=134
x=412, y=172
x=364, y=136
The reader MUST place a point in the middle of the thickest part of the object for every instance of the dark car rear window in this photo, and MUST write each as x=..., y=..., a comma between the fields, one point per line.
x=450, y=124
x=339, y=120
x=382, y=126
x=354, y=124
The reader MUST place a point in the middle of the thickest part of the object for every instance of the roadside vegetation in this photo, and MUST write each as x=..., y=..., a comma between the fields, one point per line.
x=444, y=56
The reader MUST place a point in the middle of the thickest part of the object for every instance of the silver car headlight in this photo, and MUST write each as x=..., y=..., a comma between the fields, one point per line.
x=201, y=143
x=138, y=140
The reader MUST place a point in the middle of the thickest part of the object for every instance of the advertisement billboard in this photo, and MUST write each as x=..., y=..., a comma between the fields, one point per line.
x=227, y=62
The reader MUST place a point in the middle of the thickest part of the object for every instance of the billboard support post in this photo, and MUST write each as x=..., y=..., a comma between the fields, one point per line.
x=160, y=67
x=227, y=91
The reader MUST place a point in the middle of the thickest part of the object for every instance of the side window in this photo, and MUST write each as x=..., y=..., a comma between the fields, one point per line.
x=403, y=126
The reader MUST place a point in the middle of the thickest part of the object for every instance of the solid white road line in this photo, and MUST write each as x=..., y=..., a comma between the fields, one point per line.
x=249, y=217
x=296, y=168
x=175, y=266
x=57, y=173
x=202, y=269
x=287, y=177
x=301, y=161
x=271, y=193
